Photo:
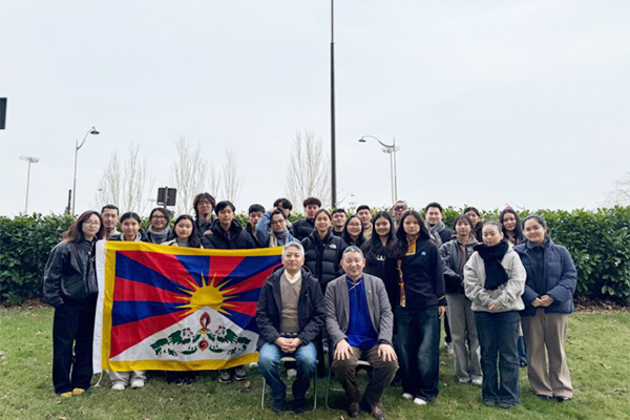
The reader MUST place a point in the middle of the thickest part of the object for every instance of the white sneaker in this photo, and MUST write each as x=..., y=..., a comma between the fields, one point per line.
x=477, y=381
x=449, y=349
x=407, y=396
x=118, y=387
x=463, y=380
x=291, y=373
x=137, y=383
x=419, y=401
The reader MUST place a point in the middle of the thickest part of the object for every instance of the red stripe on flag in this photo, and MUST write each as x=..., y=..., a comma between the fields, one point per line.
x=245, y=308
x=129, y=290
x=127, y=335
x=222, y=266
x=166, y=264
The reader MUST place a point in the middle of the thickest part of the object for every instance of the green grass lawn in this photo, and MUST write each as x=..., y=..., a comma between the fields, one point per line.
x=598, y=349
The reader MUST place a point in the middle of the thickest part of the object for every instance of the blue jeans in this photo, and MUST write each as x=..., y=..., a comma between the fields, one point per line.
x=418, y=332
x=498, y=335
x=269, y=365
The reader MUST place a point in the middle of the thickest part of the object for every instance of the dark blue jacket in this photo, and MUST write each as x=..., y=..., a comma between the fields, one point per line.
x=560, y=275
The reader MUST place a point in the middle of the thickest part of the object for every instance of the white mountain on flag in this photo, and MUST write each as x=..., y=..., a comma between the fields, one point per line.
x=204, y=335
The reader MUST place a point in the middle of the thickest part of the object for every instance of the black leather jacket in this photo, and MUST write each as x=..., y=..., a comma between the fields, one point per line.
x=70, y=272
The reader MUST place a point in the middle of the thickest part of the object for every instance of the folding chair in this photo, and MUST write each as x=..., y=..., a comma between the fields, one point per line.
x=284, y=360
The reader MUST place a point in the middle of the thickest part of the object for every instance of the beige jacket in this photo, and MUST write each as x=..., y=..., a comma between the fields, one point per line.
x=506, y=297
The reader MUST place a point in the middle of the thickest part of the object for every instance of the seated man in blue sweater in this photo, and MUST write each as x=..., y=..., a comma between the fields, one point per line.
x=360, y=324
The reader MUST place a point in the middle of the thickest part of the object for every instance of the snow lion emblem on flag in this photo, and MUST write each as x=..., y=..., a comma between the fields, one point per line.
x=170, y=308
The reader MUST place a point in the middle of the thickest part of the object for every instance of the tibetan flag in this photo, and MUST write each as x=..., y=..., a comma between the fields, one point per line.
x=171, y=308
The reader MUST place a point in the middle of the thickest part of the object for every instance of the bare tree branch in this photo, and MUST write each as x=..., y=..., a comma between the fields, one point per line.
x=307, y=173
x=231, y=182
x=214, y=180
x=187, y=173
x=620, y=194
x=126, y=188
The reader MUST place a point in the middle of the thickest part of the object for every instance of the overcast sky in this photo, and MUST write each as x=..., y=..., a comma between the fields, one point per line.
x=526, y=102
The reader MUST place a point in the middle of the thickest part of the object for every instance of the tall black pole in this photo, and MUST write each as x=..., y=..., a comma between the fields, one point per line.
x=333, y=159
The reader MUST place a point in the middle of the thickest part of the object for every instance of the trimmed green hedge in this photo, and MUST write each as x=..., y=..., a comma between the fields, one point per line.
x=599, y=242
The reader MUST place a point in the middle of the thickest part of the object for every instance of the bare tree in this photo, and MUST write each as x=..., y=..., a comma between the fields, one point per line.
x=620, y=194
x=231, y=182
x=187, y=173
x=307, y=173
x=110, y=185
x=126, y=187
x=214, y=180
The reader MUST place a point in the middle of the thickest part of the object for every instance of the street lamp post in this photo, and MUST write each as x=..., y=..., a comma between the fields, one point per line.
x=333, y=153
x=76, y=155
x=391, y=150
x=29, y=159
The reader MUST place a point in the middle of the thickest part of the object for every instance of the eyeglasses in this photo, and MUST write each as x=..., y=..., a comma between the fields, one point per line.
x=400, y=208
x=278, y=222
x=158, y=217
x=92, y=223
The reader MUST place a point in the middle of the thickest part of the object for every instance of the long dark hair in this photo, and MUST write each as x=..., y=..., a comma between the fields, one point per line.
x=346, y=236
x=518, y=230
x=374, y=243
x=401, y=236
x=75, y=231
x=194, y=240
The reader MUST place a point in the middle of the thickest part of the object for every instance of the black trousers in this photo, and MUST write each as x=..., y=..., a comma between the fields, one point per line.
x=73, y=331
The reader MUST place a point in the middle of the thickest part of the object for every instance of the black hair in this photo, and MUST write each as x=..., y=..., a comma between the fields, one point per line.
x=254, y=208
x=401, y=236
x=338, y=210
x=223, y=204
x=436, y=205
x=363, y=207
x=346, y=236
x=75, y=231
x=131, y=215
x=312, y=200
x=318, y=212
x=194, y=240
x=285, y=203
x=537, y=218
x=162, y=210
x=198, y=198
x=467, y=209
x=518, y=229
x=284, y=216
x=110, y=207
x=467, y=220
x=494, y=223
x=372, y=245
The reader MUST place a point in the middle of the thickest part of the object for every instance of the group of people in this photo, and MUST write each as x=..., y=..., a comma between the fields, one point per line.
x=368, y=286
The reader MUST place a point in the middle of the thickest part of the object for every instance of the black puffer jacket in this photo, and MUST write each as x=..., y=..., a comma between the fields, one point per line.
x=234, y=238
x=323, y=257
x=70, y=272
x=311, y=309
x=302, y=228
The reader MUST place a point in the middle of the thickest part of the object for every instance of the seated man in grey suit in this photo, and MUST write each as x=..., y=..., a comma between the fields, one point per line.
x=360, y=324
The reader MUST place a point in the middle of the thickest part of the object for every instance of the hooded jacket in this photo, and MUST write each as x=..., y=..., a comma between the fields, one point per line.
x=234, y=238
x=322, y=257
x=70, y=273
x=506, y=297
x=311, y=309
x=560, y=277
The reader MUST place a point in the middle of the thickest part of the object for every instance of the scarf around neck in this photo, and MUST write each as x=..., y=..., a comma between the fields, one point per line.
x=278, y=239
x=159, y=236
x=492, y=257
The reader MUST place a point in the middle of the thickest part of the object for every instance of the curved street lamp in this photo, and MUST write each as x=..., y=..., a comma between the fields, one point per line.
x=391, y=150
x=92, y=131
x=29, y=159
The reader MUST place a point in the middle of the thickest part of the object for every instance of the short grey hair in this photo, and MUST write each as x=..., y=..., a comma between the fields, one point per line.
x=293, y=245
x=352, y=248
